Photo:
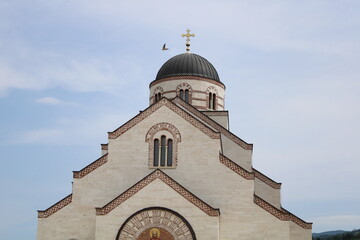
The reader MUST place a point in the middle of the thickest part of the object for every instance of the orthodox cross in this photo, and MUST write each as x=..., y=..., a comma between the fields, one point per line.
x=188, y=35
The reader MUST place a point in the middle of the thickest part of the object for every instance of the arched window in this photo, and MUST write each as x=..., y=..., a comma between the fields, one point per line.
x=163, y=151
x=163, y=139
x=186, y=95
x=181, y=94
x=169, y=152
x=212, y=101
x=184, y=92
x=156, y=152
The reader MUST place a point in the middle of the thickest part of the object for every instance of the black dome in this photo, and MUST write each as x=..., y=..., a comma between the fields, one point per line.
x=188, y=64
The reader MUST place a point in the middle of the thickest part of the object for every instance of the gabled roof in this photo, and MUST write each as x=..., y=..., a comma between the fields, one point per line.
x=151, y=109
x=212, y=123
x=158, y=174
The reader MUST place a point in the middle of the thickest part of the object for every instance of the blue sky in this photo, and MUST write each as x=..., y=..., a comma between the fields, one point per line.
x=72, y=70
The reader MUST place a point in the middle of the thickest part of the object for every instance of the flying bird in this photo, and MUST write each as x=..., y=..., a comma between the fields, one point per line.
x=164, y=47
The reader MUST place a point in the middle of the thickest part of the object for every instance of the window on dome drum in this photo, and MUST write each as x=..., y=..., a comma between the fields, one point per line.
x=212, y=101
x=184, y=95
x=157, y=97
x=163, y=152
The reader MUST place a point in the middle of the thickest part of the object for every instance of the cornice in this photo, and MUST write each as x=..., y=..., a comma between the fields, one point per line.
x=56, y=207
x=91, y=167
x=158, y=174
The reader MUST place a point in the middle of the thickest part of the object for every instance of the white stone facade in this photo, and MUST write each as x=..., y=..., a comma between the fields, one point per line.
x=211, y=192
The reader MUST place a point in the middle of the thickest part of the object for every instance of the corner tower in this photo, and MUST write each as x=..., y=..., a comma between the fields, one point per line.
x=192, y=78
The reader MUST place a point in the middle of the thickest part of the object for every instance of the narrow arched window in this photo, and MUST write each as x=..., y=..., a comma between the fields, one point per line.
x=186, y=95
x=181, y=94
x=210, y=101
x=214, y=102
x=163, y=151
x=169, y=152
x=156, y=152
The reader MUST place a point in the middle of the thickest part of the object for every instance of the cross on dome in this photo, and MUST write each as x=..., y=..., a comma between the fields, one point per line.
x=188, y=35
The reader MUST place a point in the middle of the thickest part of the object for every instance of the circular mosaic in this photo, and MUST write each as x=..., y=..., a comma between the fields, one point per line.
x=156, y=224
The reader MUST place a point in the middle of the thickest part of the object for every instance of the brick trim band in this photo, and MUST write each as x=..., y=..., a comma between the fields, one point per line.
x=218, y=127
x=91, y=167
x=164, y=102
x=186, y=78
x=266, y=179
x=56, y=207
x=158, y=174
x=236, y=168
x=282, y=214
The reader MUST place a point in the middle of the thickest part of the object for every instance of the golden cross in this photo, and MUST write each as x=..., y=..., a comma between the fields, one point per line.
x=188, y=35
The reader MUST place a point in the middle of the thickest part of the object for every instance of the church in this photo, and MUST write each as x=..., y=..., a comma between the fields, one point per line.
x=174, y=172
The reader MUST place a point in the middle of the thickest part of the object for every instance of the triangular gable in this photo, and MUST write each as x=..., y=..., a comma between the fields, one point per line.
x=158, y=174
x=164, y=102
x=212, y=123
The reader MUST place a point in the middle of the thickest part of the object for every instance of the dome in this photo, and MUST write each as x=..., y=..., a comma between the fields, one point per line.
x=188, y=64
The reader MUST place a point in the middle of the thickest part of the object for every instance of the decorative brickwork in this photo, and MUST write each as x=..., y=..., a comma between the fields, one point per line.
x=91, y=167
x=236, y=168
x=297, y=220
x=104, y=146
x=281, y=214
x=266, y=179
x=56, y=207
x=176, y=137
x=165, y=224
x=216, y=113
x=164, y=102
x=187, y=78
x=158, y=174
x=214, y=124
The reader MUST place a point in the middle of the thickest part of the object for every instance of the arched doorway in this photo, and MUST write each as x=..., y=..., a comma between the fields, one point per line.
x=156, y=223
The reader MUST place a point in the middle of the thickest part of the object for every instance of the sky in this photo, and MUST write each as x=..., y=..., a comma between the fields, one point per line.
x=70, y=71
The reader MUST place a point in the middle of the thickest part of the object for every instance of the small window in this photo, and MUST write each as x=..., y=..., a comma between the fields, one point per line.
x=163, y=151
x=156, y=152
x=186, y=95
x=181, y=93
x=169, y=152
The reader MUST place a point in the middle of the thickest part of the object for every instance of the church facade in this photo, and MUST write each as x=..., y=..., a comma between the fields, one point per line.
x=174, y=172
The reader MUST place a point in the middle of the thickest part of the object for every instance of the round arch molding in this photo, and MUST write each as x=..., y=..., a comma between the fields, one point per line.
x=161, y=219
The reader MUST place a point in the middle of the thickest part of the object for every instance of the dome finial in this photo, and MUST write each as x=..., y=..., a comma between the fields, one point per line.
x=188, y=35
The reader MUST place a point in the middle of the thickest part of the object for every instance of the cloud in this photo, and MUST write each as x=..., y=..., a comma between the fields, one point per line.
x=87, y=131
x=53, y=101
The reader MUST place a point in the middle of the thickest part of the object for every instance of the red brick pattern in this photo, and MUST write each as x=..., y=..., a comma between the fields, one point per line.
x=189, y=78
x=216, y=113
x=56, y=207
x=297, y=220
x=158, y=174
x=214, y=124
x=281, y=214
x=91, y=167
x=266, y=179
x=138, y=118
x=236, y=168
